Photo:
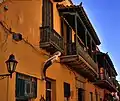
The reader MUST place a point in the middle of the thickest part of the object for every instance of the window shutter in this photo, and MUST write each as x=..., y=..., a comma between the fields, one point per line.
x=26, y=87
x=34, y=89
x=22, y=87
x=66, y=90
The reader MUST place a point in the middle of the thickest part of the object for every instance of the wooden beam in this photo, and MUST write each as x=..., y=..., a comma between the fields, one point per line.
x=86, y=38
x=66, y=21
x=70, y=13
x=76, y=14
x=91, y=48
x=85, y=26
x=76, y=32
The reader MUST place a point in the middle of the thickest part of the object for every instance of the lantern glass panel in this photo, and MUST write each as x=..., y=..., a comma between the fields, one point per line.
x=8, y=66
x=11, y=64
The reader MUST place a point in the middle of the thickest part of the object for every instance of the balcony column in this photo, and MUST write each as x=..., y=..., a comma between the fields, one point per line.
x=91, y=47
x=104, y=65
x=69, y=40
x=76, y=32
x=86, y=38
x=105, y=74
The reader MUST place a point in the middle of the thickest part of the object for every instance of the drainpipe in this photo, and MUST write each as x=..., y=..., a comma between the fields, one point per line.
x=49, y=62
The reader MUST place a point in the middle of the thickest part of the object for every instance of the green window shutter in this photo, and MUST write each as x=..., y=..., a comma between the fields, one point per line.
x=22, y=87
x=34, y=89
x=17, y=87
x=25, y=87
x=66, y=90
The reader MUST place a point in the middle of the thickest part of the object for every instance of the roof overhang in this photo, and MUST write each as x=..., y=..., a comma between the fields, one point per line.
x=109, y=60
x=82, y=14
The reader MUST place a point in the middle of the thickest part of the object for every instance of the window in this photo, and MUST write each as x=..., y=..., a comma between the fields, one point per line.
x=66, y=32
x=91, y=96
x=47, y=13
x=96, y=96
x=66, y=91
x=80, y=94
x=48, y=91
x=26, y=87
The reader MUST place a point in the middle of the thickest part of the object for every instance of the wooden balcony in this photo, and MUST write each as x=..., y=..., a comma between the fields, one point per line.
x=81, y=61
x=50, y=40
x=106, y=83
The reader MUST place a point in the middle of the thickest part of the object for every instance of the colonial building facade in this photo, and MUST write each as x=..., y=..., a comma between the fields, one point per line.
x=33, y=30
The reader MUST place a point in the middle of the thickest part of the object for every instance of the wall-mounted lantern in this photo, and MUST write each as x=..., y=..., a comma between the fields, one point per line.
x=11, y=66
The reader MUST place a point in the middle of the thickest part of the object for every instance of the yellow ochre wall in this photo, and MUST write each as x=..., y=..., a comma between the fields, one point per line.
x=56, y=18
x=89, y=87
x=25, y=17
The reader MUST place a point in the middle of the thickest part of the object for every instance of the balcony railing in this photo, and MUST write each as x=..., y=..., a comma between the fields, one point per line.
x=79, y=60
x=109, y=80
x=80, y=49
x=106, y=82
x=50, y=39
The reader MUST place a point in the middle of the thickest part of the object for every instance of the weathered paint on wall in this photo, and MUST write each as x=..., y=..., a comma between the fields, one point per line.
x=56, y=17
x=25, y=17
x=90, y=87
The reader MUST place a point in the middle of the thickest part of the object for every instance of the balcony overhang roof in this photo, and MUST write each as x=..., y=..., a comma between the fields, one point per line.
x=81, y=12
x=105, y=84
x=109, y=60
x=111, y=63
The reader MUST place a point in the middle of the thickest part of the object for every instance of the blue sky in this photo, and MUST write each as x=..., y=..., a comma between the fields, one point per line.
x=105, y=18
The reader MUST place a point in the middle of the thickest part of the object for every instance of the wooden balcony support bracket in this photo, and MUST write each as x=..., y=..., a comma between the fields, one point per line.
x=80, y=58
x=105, y=84
x=77, y=63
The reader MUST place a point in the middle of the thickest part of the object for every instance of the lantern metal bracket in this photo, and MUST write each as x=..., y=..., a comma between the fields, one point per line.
x=11, y=66
x=2, y=76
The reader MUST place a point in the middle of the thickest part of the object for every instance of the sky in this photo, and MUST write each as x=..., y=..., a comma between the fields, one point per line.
x=105, y=18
